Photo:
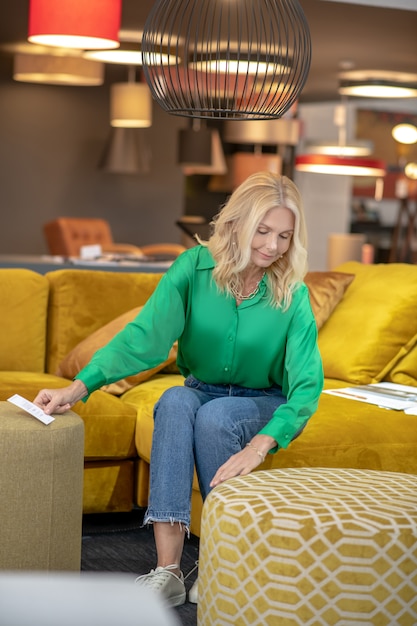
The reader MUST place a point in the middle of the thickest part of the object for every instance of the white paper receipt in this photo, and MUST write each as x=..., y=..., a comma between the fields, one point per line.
x=31, y=408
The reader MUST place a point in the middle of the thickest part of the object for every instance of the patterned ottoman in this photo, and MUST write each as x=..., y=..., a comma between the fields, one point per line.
x=310, y=546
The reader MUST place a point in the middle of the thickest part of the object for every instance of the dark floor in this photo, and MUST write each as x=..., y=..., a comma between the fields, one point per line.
x=117, y=542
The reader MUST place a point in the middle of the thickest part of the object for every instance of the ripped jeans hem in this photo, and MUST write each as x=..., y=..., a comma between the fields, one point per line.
x=148, y=520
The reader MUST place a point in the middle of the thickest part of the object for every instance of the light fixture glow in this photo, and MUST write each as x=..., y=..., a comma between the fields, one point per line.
x=238, y=65
x=126, y=54
x=377, y=90
x=378, y=84
x=123, y=55
x=347, y=166
x=354, y=148
x=75, y=23
x=130, y=105
x=405, y=133
x=410, y=170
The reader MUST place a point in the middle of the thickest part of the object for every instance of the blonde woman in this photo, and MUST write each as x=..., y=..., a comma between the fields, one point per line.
x=247, y=347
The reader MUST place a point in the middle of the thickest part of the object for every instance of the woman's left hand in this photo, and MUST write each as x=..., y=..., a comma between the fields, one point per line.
x=244, y=461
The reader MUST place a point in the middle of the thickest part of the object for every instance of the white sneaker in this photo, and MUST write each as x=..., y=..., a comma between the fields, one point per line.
x=165, y=582
x=193, y=593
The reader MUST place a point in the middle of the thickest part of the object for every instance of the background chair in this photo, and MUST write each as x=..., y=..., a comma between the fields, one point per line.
x=66, y=235
x=171, y=249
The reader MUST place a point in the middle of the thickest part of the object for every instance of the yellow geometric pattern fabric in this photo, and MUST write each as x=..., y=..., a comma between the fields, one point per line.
x=310, y=547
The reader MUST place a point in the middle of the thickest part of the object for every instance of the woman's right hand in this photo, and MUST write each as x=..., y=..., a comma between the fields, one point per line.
x=60, y=400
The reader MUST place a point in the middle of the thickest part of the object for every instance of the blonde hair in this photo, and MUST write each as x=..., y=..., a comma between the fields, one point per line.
x=236, y=225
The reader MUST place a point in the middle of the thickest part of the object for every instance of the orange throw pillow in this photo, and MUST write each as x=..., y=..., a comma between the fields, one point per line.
x=326, y=291
x=82, y=353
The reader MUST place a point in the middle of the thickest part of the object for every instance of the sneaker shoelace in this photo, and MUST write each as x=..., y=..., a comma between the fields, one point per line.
x=192, y=570
x=157, y=577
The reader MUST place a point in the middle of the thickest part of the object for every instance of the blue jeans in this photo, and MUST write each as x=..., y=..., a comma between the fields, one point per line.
x=200, y=425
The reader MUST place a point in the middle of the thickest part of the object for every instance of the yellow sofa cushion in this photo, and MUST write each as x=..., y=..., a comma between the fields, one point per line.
x=348, y=433
x=82, y=353
x=109, y=423
x=82, y=301
x=144, y=397
x=326, y=289
x=23, y=311
x=365, y=336
x=405, y=371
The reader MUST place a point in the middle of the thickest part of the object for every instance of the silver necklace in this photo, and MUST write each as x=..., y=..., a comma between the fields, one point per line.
x=249, y=296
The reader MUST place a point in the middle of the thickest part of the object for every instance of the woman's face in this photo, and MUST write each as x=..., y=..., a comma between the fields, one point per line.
x=273, y=236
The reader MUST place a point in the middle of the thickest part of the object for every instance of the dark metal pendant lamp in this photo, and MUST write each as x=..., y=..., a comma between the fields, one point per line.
x=234, y=59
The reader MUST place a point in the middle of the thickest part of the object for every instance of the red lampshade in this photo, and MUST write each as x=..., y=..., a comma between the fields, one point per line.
x=351, y=166
x=81, y=24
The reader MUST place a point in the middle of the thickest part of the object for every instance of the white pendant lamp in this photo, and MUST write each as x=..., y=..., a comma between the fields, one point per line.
x=343, y=158
x=405, y=133
x=378, y=84
x=130, y=104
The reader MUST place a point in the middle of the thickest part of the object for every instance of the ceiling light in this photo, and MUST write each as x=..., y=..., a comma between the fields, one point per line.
x=236, y=63
x=283, y=131
x=127, y=55
x=53, y=69
x=376, y=89
x=342, y=158
x=241, y=60
x=246, y=163
x=378, y=84
x=354, y=148
x=405, y=133
x=125, y=153
x=194, y=146
x=410, y=170
x=130, y=105
x=217, y=164
x=347, y=166
x=79, y=24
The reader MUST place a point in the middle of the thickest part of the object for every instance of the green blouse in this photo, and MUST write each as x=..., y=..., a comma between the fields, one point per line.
x=252, y=345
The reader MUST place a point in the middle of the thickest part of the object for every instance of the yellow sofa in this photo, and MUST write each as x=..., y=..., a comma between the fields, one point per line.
x=368, y=333
x=43, y=319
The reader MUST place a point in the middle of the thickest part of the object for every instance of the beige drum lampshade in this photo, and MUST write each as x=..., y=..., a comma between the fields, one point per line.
x=56, y=69
x=130, y=105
